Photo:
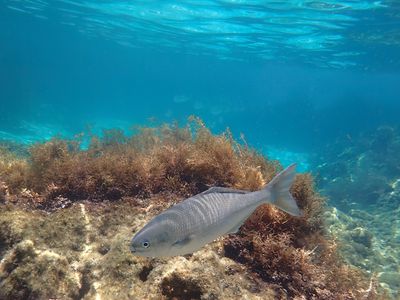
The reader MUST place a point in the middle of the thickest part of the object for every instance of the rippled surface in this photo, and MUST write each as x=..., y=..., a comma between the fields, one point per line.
x=326, y=33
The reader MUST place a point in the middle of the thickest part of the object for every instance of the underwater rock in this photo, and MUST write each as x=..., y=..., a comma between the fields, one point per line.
x=3, y=192
x=30, y=273
x=391, y=279
x=11, y=232
x=52, y=262
x=61, y=250
x=174, y=286
x=363, y=182
x=361, y=236
x=71, y=213
x=368, y=244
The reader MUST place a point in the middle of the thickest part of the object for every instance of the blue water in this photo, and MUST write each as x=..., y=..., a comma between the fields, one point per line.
x=312, y=82
x=290, y=75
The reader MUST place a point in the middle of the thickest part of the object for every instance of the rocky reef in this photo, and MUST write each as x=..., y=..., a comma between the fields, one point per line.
x=360, y=171
x=361, y=177
x=67, y=214
x=368, y=244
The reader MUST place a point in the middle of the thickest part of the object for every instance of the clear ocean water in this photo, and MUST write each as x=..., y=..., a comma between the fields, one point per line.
x=290, y=74
x=312, y=82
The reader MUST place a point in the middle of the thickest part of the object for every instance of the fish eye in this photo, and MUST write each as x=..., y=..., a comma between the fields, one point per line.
x=146, y=244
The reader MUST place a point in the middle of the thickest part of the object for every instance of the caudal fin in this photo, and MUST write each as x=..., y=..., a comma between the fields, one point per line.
x=279, y=191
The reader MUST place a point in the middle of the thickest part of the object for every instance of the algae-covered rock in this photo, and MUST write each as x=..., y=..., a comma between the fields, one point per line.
x=391, y=280
x=60, y=258
x=82, y=252
x=370, y=242
x=70, y=213
x=362, y=236
x=12, y=226
x=361, y=176
x=29, y=273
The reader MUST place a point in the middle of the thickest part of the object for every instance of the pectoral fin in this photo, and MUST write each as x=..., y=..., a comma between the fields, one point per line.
x=182, y=242
x=236, y=228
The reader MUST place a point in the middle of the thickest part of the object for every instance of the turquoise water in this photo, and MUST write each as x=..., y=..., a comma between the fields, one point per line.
x=332, y=34
x=291, y=76
x=312, y=82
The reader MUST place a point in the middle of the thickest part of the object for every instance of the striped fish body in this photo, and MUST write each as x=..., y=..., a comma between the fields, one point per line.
x=198, y=220
x=203, y=218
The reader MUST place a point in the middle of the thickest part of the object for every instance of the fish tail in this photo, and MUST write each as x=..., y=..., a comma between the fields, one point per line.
x=279, y=194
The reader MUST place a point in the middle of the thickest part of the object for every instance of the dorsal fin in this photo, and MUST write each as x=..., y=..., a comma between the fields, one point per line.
x=218, y=189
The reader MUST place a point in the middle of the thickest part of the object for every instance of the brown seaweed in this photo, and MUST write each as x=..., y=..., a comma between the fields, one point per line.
x=149, y=171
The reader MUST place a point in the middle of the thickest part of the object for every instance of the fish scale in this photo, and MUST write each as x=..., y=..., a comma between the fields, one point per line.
x=198, y=220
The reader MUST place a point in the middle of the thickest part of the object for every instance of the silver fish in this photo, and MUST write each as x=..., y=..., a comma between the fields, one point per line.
x=187, y=226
